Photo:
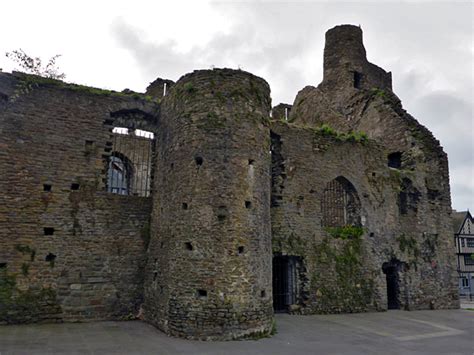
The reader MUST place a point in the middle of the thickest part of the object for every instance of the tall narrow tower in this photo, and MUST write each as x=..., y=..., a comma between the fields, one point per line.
x=346, y=64
x=209, y=260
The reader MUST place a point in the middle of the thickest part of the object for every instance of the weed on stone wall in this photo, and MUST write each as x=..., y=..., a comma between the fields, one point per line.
x=345, y=232
x=409, y=246
x=25, y=249
x=344, y=287
x=17, y=306
x=27, y=83
x=145, y=235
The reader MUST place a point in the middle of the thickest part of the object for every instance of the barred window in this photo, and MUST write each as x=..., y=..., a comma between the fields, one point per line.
x=129, y=165
x=340, y=204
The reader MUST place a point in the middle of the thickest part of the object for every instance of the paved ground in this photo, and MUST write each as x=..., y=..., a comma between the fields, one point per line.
x=393, y=332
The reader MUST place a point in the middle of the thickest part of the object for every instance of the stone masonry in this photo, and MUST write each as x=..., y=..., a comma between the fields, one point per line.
x=337, y=203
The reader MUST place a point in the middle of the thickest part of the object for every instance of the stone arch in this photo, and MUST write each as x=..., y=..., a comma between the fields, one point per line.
x=134, y=118
x=119, y=174
x=392, y=270
x=340, y=204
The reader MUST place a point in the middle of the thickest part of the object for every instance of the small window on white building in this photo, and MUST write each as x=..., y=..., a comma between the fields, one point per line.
x=468, y=259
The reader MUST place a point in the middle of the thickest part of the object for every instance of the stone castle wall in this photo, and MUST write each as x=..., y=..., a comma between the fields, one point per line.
x=69, y=250
x=230, y=187
x=209, y=262
x=421, y=219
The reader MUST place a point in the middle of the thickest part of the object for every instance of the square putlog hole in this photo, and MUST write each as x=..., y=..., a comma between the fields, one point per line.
x=47, y=187
x=201, y=293
x=75, y=186
x=199, y=160
x=48, y=231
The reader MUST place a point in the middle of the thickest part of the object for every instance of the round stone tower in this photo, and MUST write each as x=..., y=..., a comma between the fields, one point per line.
x=346, y=65
x=208, y=274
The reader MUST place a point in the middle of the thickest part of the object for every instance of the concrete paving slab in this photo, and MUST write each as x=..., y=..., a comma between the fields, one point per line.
x=394, y=332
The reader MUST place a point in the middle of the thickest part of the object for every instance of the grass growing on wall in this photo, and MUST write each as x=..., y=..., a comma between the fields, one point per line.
x=344, y=286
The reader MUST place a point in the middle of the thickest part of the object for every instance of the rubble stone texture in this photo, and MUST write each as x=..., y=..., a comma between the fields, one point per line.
x=350, y=190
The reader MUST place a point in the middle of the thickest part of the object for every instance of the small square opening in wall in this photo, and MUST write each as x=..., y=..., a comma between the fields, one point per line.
x=185, y=206
x=199, y=160
x=394, y=160
x=188, y=246
x=3, y=265
x=47, y=187
x=51, y=258
x=201, y=293
x=89, y=145
x=251, y=161
x=248, y=204
x=75, y=186
x=263, y=293
x=48, y=231
x=241, y=249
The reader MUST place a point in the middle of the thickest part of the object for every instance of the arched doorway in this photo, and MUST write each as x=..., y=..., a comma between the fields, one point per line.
x=391, y=270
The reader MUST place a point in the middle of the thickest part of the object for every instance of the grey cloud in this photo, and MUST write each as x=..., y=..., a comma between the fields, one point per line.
x=423, y=44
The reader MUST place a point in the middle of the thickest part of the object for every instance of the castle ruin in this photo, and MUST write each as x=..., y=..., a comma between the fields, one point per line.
x=204, y=215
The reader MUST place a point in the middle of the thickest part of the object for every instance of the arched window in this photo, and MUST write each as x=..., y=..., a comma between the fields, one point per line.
x=119, y=174
x=129, y=167
x=340, y=204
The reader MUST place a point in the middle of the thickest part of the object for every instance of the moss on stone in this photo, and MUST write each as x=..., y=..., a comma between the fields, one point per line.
x=409, y=246
x=349, y=290
x=25, y=269
x=291, y=245
x=145, y=235
x=345, y=232
x=25, y=249
x=189, y=88
x=28, y=82
x=24, y=305
x=211, y=121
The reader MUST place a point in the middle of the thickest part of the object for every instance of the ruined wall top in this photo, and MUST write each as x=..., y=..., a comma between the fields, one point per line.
x=345, y=62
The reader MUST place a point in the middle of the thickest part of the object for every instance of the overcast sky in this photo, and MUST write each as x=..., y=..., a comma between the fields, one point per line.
x=428, y=47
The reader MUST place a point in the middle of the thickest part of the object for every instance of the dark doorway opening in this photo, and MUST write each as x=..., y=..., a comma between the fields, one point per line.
x=284, y=282
x=391, y=270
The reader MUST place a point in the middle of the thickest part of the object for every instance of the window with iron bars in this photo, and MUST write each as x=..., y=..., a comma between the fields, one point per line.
x=340, y=204
x=129, y=167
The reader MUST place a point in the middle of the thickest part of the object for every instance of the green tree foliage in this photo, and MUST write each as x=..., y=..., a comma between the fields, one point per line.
x=34, y=65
